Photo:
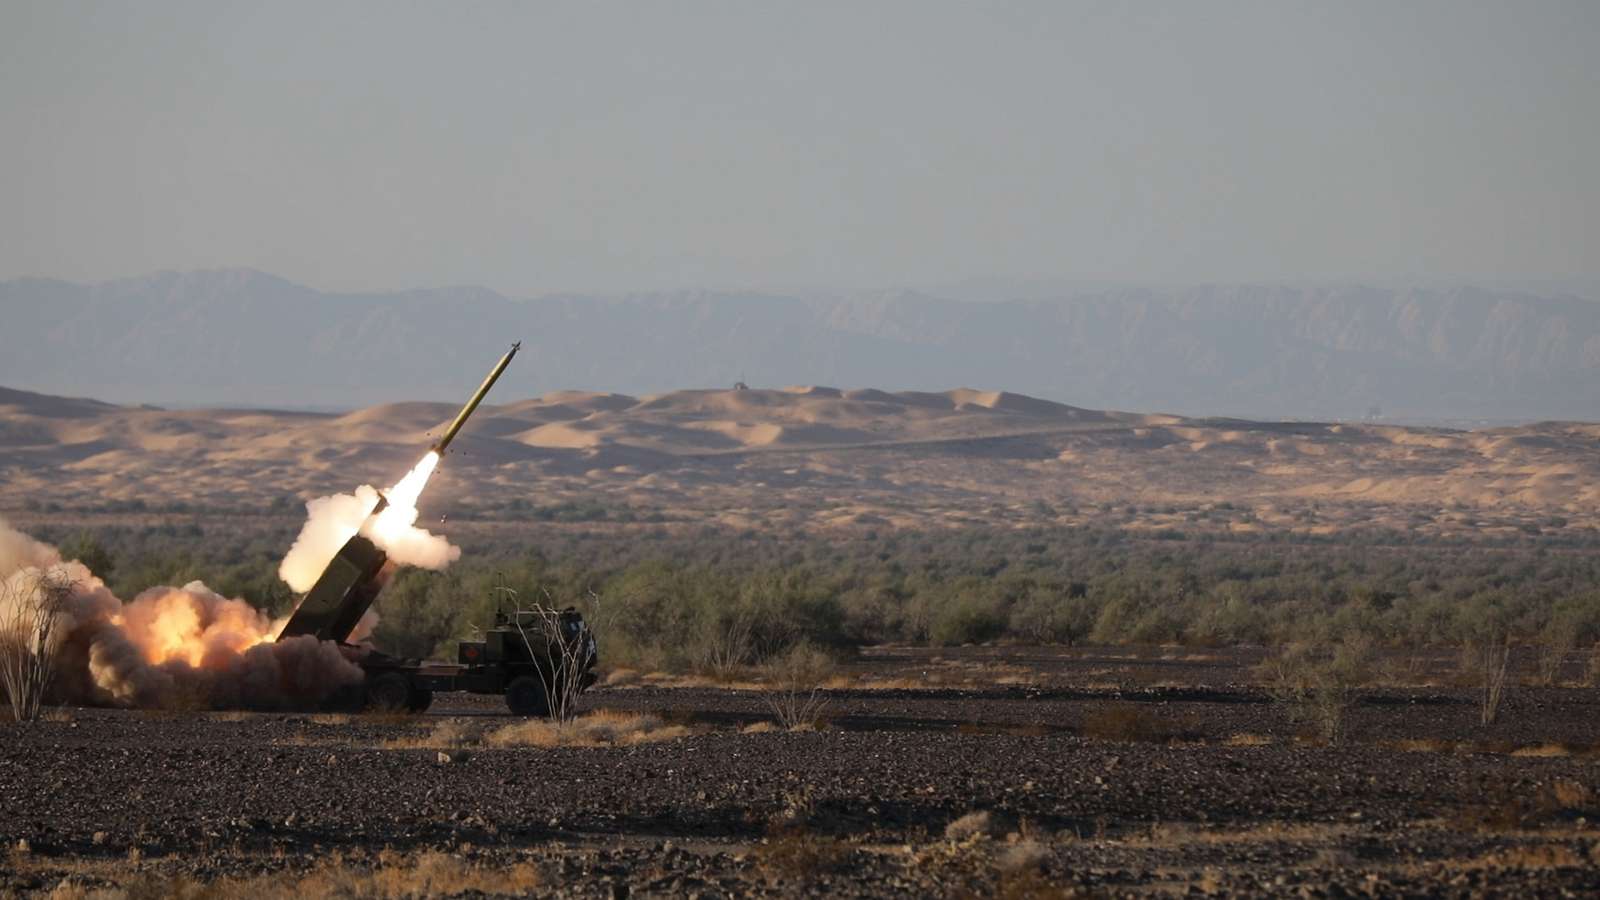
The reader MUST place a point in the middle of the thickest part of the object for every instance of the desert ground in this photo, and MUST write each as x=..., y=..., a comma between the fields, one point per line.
x=999, y=769
x=960, y=772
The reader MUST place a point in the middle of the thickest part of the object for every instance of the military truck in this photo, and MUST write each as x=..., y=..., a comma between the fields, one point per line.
x=539, y=658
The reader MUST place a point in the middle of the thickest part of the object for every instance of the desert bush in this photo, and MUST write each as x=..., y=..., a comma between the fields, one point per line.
x=795, y=686
x=32, y=610
x=1554, y=644
x=674, y=590
x=725, y=646
x=1319, y=683
x=555, y=634
x=1494, y=654
x=966, y=620
x=1048, y=616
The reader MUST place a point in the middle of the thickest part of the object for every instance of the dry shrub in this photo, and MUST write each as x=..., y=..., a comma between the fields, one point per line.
x=1496, y=657
x=1543, y=751
x=1022, y=856
x=795, y=852
x=430, y=874
x=969, y=825
x=1423, y=745
x=32, y=623
x=796, y=677
x=725, y=646
x=1029, y=884
x=1561, y=799
x=446, y=735
x=1567, y=794
x=1319, y=684
x=601, y=728
x=427, y=874
x=758, y=728
x=1533, y=856
x=1555, y=642
x=1126, y=722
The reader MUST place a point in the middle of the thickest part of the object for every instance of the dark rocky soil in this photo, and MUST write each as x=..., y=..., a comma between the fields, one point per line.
x=1110, y=791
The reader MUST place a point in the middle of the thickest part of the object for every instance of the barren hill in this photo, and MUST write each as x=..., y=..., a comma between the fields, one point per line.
x=813, y=457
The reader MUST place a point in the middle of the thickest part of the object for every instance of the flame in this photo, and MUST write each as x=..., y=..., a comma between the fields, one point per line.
x=397, y=518
x=193, y=625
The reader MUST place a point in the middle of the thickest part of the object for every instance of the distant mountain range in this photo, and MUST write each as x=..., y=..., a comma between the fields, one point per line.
x=246, y=338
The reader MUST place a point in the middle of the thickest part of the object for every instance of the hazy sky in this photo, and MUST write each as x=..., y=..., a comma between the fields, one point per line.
x=535, y=147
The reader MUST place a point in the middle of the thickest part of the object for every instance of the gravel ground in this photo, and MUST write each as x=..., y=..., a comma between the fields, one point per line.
x=1120, y=791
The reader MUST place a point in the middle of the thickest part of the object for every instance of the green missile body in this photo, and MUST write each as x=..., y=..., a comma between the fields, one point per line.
x=461, y=417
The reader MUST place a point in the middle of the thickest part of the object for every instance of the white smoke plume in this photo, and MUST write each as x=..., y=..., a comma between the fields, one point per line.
x=170, y=647
x=333, y=520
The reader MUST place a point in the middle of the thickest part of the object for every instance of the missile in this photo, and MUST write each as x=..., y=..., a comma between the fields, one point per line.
x=461, y=417
x=351, y=582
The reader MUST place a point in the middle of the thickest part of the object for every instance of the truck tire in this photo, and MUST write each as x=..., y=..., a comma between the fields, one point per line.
x=525, y=697
x=389, y=692
x=421, y=699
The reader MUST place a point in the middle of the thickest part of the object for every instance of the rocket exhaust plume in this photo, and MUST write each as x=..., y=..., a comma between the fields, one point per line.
x=168, y=646
x=190, y=645
x=332, y=520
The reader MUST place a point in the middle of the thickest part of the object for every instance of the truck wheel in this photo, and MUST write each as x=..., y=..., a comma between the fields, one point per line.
x=421, y=699
x=389, y=692
x=525, y=697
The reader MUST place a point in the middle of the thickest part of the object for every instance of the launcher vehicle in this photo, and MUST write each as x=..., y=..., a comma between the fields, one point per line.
x=540, y=659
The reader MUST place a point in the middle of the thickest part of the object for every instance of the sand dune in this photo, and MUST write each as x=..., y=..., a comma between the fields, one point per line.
x=816, y=456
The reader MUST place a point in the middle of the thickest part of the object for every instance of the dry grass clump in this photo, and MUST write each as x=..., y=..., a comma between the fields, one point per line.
x=795, y=852
x=1024, y=855
x=1562, y=799
x=1543, y=751
x=969, y=825
x=1568, y=794
x=1423, y=745
x=446, y=735
x=1246, y=739
x=427, y=874
x=602, y=728
x=1126, y=722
